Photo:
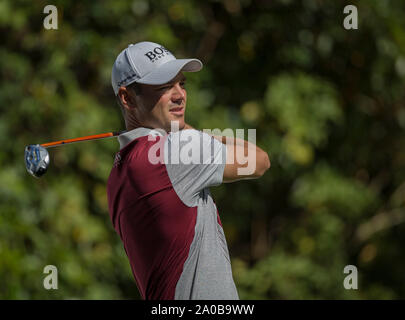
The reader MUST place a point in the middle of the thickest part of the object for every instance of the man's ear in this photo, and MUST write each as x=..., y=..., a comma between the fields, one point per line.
x=126, y=98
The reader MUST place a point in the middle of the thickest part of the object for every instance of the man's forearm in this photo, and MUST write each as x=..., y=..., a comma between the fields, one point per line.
x=239, y=149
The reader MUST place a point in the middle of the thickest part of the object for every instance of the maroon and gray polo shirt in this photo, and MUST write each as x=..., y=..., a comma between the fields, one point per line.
x=165, y=216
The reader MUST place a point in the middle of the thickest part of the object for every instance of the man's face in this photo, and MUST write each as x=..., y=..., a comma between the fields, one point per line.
x=158, y=105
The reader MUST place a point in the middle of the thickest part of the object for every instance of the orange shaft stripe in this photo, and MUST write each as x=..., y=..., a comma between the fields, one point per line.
x=96, y=136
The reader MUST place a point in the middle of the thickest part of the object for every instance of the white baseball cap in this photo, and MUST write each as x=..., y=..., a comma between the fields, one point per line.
x=149, y=63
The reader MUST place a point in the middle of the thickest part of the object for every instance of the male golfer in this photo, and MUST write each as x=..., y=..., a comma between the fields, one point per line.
x=159, y=201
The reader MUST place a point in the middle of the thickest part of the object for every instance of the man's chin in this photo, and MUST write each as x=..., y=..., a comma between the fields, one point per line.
x=177, y=124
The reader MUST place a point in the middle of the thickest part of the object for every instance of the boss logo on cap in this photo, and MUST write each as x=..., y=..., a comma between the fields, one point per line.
x=157, y=53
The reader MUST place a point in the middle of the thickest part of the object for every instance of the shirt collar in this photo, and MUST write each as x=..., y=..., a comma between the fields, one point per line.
x=129, y=136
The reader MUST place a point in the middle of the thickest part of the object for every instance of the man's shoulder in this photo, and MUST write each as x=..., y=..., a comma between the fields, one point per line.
x=188, y=136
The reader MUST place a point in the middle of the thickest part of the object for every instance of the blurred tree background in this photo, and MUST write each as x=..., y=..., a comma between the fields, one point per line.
x=327, y=104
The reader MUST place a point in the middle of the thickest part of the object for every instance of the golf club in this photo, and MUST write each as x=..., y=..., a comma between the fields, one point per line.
x=37, y=156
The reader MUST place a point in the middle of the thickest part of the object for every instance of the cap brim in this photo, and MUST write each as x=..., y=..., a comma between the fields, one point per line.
x=169, y=70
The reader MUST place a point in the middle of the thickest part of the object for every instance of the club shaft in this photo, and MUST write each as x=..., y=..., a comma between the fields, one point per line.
x=86, y=138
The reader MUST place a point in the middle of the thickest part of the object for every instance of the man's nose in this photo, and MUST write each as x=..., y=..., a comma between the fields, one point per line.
x=178, y=92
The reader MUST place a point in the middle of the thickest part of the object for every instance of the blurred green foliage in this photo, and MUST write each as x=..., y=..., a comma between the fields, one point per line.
x=327, y=103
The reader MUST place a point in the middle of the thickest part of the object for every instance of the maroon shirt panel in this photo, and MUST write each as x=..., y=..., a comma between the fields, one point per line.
x=155, y=226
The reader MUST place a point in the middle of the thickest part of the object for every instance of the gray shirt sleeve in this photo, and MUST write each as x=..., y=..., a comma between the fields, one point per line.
x=194, y=161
